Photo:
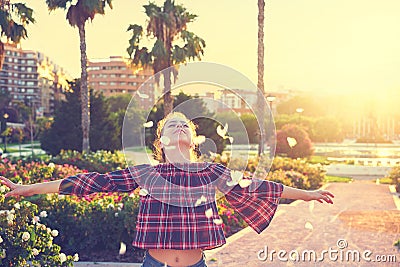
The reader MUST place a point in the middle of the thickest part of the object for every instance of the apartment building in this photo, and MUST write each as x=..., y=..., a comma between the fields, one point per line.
x=32, y=78
x=115, y=76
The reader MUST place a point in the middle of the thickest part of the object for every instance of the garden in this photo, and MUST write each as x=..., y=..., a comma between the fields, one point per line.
x=57, y=230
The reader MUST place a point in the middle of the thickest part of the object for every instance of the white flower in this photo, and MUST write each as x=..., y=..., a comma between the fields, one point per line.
x=43, y=214
x=110, y=206
x=35, y=252
x=17, y=206
x=10, y=217
x=54, y=233
x=116, y=214
x=26, y=236
x=51, y=165
x=1, y=240
x=120, y=206
x=35, y=220
x=3, y=254
x=43, y=227
x=76, y=257
x=2, y=189
x=48, y=230
x=122, y=249
x=62, y=257
x=209, y=213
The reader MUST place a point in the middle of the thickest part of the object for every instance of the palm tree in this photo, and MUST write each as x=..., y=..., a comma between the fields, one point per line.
x=260, y=76
x=77, y=15
x=167, y=24
x=13, y=20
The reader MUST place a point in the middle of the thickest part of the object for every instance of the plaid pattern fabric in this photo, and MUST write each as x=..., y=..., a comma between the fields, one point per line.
x=178, y=209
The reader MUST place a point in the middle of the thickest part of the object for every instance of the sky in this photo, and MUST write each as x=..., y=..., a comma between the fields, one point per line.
x=313, y=45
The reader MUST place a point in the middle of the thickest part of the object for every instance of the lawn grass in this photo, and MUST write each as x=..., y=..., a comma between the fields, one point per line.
x=337, y=179
x=318, y=159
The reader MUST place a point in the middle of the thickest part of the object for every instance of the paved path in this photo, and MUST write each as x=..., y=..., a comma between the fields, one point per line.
x=363, y=216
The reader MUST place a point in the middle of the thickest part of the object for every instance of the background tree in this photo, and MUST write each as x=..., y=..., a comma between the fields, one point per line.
x=327, y=129
x=173, y=43
x=13, y=21
x=260, y=75
x=77, y=15
x=66, y=131
x=293, y=141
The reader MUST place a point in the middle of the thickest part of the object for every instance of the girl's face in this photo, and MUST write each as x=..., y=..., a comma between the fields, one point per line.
x=177, y=132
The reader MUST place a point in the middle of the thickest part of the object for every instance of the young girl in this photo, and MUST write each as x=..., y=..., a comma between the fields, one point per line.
x=178, y=216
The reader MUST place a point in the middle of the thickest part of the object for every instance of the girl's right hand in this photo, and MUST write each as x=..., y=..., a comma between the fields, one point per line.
x=16, y=189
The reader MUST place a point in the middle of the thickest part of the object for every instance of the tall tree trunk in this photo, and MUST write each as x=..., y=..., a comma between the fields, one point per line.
x=2, y=54
x=168, y=100
x=85, y=100
x=260, y=70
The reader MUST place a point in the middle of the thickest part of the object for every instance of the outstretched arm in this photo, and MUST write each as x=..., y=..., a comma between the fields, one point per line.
x=29, y=190
x=319, y=195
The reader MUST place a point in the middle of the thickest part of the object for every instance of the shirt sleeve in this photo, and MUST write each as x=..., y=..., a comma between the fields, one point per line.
x=255, y=203
x=88, y=183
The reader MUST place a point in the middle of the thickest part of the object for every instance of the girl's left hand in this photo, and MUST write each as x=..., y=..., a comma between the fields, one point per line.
x=320, y=196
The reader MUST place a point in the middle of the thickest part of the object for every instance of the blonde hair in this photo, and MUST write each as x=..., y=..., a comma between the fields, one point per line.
x=158, y=150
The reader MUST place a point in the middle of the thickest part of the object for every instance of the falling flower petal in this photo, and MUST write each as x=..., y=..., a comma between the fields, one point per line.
x=148, y=124
x=209, y=213
x=169, y=147
x=222, y=131
x=218, y=221
x=291, y=141
x=165, y=140
x=311, y=206
x=309, y=226
x=199, y=139
x=245, y=183
x=236, y=175
x=142, y=95
x=200, y=200
x=198, y=203
x=122, y=249
x=143, y=192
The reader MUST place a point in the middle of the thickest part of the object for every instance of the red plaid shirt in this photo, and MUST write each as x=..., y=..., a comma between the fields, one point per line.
x=177, y=204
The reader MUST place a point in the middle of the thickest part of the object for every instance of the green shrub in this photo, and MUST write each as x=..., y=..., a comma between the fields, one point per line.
x=100, y=161
x=394, y=175
x=23, y=239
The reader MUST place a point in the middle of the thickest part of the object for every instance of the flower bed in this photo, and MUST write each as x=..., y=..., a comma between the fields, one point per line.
x=98, y=227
